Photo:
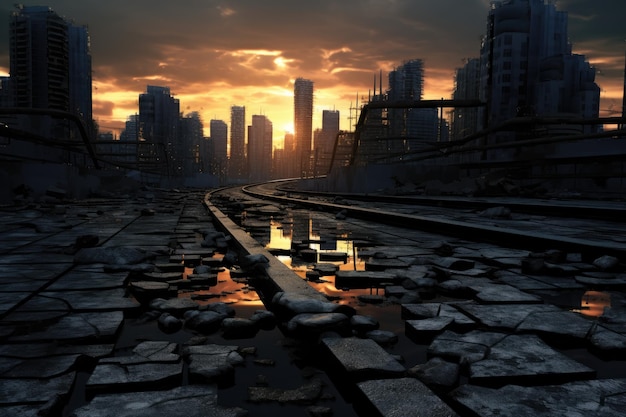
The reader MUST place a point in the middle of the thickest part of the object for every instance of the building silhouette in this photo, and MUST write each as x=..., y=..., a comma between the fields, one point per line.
x=260, y=148
x=466, y=121
x=237, y=157
x=218, y=149
x=159, y=144
x=50, y=67
x=411, y=127
x=324, y=141
x=528, y=68
x=191, y=144
x=303, y=124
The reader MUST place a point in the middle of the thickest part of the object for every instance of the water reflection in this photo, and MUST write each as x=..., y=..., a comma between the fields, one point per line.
x=593, y=303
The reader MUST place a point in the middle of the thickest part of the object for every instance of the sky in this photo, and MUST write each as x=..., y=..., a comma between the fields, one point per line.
x=214, y=54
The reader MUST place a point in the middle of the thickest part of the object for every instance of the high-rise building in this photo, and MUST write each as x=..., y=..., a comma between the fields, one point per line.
x=260, y=148
x=325, y=141
x=411, y=126
x=191, y=139
x=303, y=124
x=466, y=121
x=219, y=148
x=527, y=65
x=50, y=65
x=159, y=115
x=237, y=156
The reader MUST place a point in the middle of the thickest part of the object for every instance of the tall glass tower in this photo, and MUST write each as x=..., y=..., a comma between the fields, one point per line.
x=303, y=123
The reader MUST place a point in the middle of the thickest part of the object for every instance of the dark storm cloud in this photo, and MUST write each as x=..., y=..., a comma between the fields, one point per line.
x=196, y=46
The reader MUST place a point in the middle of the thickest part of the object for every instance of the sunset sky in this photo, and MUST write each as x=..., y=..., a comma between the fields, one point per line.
x=217, y=53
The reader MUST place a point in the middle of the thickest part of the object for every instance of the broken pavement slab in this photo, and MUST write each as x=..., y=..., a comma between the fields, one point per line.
x=602, y=397
x=190, y=400
x=406, y=397
x=363, y=358
x=526, y=360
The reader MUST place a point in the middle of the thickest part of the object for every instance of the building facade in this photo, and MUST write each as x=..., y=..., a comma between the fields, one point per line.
x=237, y=156
x=260, y=148
x=159, y=145
x=527, y=65
x=218, y=162
x=50, y=68
x=303, y=124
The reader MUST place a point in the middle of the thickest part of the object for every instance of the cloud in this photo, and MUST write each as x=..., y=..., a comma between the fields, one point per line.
x=216, y=53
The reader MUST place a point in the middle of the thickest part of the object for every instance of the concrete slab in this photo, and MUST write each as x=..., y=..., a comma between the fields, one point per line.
x=406, y=397
x=363, y=358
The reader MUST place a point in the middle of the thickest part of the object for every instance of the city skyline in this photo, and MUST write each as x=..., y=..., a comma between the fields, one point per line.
x=213, y=55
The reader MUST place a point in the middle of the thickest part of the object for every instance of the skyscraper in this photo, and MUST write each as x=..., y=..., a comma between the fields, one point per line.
x=219, y=148
x=466, y=87
x=410, y=126
x=303, y=123
x=159, y=115
x=527, y=65
x=50, y=64
x=325, y=141
x=260, y=148
x=237, y=159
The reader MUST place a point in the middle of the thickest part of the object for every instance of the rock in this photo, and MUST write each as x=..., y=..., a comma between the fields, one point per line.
x=169, y=323
x=325, y=269
x=437, y=372
x=316, y=323
x=382, y=337
x=212, y=363
x=406, y=397
x=496, y=213
x=239, y=328
x=454, y=264
x=222, y=308
x=362, y=324
x=306, y=394
x=266, y=320
x=606, y=263
x=525, y=359
x=312, y=275
x=362, y=359
x=175, y=306
x=424, y=330
x=192, y=400
x=292, y=303
x=464, y=348
x=204, y=321
x=604, y=396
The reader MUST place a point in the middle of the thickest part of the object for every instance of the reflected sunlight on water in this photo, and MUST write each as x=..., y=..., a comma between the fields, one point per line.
x=593, y=303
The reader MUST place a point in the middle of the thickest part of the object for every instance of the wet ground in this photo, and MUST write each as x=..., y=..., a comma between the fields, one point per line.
x=43, y=285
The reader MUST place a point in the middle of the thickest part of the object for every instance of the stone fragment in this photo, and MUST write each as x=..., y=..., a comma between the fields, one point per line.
x=606, y=263
x=406, y=397
x=361, y=324
x=464, y=348
x=191, y=400
x=306, y=394
x=437, y=373
x=557, y=325
x=212, y=363
x=424, y=330
x=316, y=323
x=363, y=358
x=454, y=264
x=239, y=328
x=603, y=397
x=523, y=360
x=293, y=303
x=265, y=319
x=382, y=337
x=35, y=391
x=204, y=321
x=169, y=323
x=174, y=306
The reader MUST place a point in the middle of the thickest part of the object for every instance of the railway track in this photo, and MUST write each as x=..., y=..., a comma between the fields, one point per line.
x=523, y=276
x=593, y=229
